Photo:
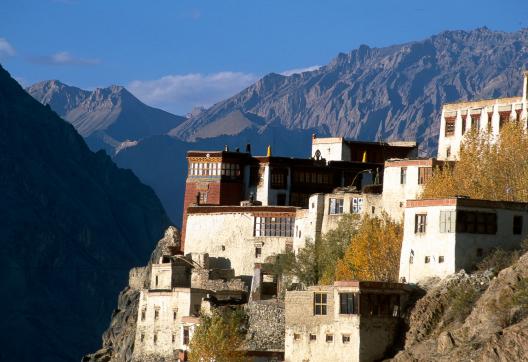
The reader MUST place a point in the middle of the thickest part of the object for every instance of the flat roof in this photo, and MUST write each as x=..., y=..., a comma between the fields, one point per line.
x=480, y=103
x=327, y=140
x=211, y=209
x=466, y=202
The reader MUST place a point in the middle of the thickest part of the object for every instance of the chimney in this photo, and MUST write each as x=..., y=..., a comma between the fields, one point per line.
x=226, y=148
x=248, y=148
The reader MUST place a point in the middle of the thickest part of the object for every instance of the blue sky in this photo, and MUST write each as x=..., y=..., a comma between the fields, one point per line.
x=176, y=54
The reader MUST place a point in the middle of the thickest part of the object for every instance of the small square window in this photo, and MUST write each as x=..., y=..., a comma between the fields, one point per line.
x=313, y=337
x=346, y=338
x=320, y=303
x=223, y=247
x=441, y=259
x=427, y=259
x=296, y=337
x=329, y=338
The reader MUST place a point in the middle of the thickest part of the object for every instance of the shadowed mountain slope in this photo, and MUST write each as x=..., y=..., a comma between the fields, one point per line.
x=71, y=226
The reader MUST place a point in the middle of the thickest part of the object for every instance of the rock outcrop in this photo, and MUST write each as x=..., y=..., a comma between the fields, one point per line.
x=118, y=339
x=71, y=226
x=494, y=329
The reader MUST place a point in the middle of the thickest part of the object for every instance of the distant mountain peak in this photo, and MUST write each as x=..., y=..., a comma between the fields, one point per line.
x=105, y=113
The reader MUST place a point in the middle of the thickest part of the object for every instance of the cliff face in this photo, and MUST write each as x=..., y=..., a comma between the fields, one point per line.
x=71, y=226
x=118, y=339
x=494, y=328
x=379, y=93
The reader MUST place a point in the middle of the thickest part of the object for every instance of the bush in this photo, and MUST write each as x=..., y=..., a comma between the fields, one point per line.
x=498, y=259
x=462, y=296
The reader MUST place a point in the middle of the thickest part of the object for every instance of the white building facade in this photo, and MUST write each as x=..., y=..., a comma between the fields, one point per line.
x=443, y=236
x=484, y=115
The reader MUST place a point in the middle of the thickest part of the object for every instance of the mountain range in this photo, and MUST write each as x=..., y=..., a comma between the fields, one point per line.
x=389, y=93
x=72, y=224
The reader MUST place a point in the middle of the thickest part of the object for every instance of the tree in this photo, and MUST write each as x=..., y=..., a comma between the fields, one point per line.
x=373, y=252
x=489, y=167
x=218, y=338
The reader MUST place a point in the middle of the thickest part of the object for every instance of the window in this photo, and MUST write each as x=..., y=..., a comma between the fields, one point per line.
x=517, y=224
x=447, y=221
x=296, y=336
x=313, y=337
x=420, y=223
x=143, y=314
x=427, y=259
x=411, y=258
x=156, y=313
x=480, y=252
x=403, y=175
x=348, y=303
x=449, y=126
x=254, y=175
x=345, y=338
x=281, y=199
x=142, y=337
x=174, y=314
x=357, y=205
x=448, y=151
x=156, y=280
x=463, y=125
x=202, y=198
x=173, y=338
x=258, y=252
x=373, y=209
x=279, y=178
x=274, y=226
x=320, y=303
x=474, y=222
x=155, y=338
x=329, y=338
x=223, y=247
x=336, y=206
x=424, y=174
x=441, y=259
x=186, y=336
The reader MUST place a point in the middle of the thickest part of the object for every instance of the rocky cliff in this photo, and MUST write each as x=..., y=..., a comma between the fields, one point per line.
x=386, y=93
x=478, y=317
x=71, y=226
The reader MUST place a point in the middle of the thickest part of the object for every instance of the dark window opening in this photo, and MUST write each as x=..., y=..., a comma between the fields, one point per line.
x=258, y=252
x=329, y=338
x=517, y=224
x=348, y=303
x=403, y=175
x=279, y=178
x=441, y=259
x=474, y=222
x=449, y=126
x=186, y=336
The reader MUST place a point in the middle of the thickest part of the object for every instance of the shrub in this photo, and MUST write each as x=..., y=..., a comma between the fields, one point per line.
x=498, y=259
x=462, y=297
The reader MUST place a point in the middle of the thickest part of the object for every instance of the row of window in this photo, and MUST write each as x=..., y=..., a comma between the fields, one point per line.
x=157, y=311
x=504, y=116
x=336, y=206
x=427, y=259
x=345, y=338
x=214, y=169
x=186, y=337
x=424, y=174
x=274, y=226
x=471, y=222
x=311, y=177
x=349, y=303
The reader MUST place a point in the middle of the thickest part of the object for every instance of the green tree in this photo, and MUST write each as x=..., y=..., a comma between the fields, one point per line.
x=218, y=338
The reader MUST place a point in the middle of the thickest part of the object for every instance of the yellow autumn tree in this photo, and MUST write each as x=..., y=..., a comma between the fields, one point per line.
x=489, y=167
x=218, y=338
x=373, y=252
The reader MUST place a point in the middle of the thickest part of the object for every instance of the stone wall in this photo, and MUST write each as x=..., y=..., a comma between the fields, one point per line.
x=265, y=326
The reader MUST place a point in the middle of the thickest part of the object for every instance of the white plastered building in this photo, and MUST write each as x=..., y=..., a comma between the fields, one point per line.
x=443, y=236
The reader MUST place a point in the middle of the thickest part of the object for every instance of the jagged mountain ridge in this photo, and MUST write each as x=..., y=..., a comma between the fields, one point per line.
x=71, y=226
x=112, y=112
x=386, y=93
